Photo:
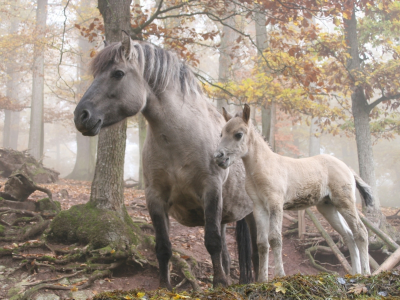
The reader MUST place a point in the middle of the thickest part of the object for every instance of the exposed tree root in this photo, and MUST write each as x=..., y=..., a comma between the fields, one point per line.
x=186, y=270
x=96, y=275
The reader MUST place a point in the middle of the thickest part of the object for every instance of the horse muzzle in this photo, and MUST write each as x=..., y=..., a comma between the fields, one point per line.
x=86, y=123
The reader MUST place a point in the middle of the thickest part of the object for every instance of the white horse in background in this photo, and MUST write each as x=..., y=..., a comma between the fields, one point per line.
x=276, y=183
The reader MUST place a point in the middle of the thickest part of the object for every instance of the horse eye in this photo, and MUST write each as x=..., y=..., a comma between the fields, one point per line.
x=220, y=135
x=118, y=74
x=238, y=135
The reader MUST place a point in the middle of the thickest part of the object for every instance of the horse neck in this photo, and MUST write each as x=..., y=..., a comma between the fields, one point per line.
x=172, y=110
x=258, y=150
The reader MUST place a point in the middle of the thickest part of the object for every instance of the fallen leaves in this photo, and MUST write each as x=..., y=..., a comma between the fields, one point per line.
x=279, y=288
x=357, y=289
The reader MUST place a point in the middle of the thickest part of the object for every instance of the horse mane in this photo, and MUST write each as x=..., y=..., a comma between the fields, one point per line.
x=159, y=67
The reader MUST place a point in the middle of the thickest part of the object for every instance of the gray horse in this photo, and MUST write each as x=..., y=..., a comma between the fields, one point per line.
x=181, y=179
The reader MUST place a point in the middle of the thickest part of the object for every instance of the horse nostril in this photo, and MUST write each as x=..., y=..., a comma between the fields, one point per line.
x=218, y=154
x=85, y=115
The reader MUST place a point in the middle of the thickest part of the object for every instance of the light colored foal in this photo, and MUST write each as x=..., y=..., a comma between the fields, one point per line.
x=276, y=183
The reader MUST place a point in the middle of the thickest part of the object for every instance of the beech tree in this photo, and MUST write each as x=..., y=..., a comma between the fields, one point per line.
x=36, y=130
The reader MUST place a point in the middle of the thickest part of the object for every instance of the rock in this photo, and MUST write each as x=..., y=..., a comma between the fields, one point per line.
x=64, y=281
x=81, y=295
x=2, y=268
x=47, y=297
x=75, y=280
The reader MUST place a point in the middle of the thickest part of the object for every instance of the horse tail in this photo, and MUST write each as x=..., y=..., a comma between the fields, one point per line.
x=364, y=189
x=244, y=248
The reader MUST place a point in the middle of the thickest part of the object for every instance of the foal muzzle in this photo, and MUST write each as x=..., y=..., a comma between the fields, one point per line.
x=221, y=159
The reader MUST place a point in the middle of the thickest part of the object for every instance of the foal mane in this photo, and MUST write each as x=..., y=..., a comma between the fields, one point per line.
x=158, y=67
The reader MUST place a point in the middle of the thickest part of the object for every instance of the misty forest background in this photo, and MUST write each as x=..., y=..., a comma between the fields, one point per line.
x=305, y=69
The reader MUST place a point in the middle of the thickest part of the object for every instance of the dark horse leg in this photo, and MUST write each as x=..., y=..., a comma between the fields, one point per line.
x=159, y=217
x=226, y=259
x=212, y=236
x=251, y=222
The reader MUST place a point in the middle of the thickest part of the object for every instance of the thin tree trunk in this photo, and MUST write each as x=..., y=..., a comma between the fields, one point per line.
x=225, y=51
x=36, y=131
x=268, y=109
x=11, y=120
x=86, y=146
x=108, y=184
x=142, y=137
x=360, y=111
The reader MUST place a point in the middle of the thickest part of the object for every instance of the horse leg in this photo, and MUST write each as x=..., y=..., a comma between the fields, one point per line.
x=338, y=223
x=226, y=259
x=159, y=217
x=360, y=233
x=275, y=234
x=261, y=215
x=212, y=234
x=251, y=222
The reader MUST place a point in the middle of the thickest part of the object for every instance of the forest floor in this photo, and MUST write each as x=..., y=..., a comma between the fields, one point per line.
x=188, y=241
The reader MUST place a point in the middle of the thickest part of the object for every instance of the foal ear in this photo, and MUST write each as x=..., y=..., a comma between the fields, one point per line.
x=126, y=43
x=246, y=113
x=106, y=43
x=227, y=116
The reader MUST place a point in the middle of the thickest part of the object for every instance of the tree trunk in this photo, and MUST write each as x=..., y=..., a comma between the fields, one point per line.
x=268, y=109
x=142, y=137
x=108, y=183
x=36, y=131
x=11, y=120
x=85, y=158
x=225, y=51
x=86, y=146
x=360, y=111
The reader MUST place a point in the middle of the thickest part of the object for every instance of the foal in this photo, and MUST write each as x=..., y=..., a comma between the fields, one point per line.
x=276, y=182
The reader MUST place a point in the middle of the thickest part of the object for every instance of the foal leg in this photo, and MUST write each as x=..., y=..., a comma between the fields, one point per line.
x=251, y=222
x=261, y=215
x=275, y=234
x=212, y=234
x=159, y=217
x=226, y=259
x=338, y=223
x=360, y=233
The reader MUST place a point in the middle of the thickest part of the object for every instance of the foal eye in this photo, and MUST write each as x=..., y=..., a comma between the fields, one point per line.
x=220, y=135
x=118, y=74
x=238, y=135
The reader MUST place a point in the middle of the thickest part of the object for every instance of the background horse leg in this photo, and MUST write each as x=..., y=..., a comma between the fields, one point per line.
x=159, y=217
x=360, y=233
x=338, y=223
x=212, y=234
x=261, y=215
x=226, y=259
x=275, y=234
x=251, y=222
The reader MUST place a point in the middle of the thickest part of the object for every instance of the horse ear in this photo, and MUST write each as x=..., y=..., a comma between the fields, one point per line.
x=246, y=113
x=126, y=43
x=106, y=43
x=227, y=116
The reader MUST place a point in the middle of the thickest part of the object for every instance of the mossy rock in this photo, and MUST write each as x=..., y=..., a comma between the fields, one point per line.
x=2, y=228
x=86, y=224
x=46, y=205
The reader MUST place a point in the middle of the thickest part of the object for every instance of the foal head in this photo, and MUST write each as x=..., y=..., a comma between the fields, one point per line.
x=234, y=138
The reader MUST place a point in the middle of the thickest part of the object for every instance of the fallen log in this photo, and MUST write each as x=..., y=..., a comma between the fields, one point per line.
x=339, y=255
x=389, y=263
x=393, y=246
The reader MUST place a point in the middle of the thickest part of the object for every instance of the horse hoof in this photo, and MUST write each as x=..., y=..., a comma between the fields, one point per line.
x=165, y=285
x=221, y=282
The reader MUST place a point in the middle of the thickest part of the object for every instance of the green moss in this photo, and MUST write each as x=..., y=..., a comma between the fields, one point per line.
x=2, y=228
x=100, y=228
